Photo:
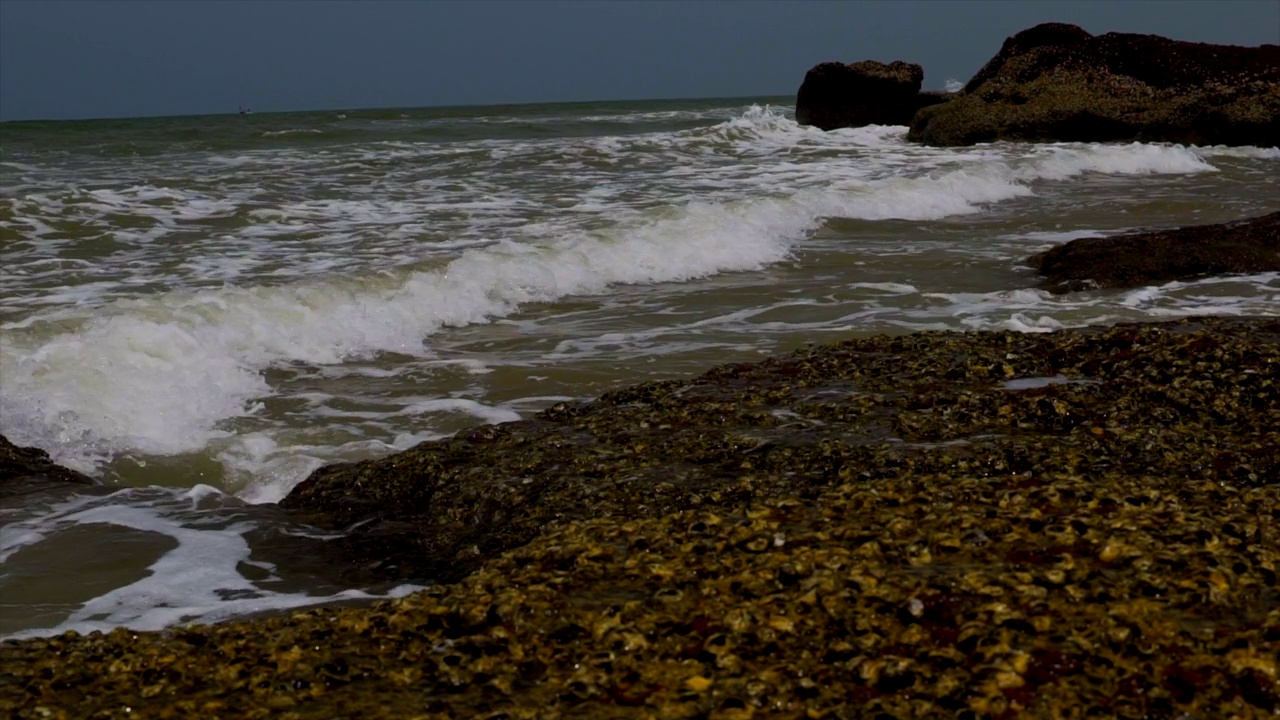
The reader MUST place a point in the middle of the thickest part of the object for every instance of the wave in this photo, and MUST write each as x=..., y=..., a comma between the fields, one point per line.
x=292, y=131
x=159, y=373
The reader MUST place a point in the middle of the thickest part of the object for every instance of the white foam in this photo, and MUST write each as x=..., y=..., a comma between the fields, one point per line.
x=1057, y=236
x=89, y=379
x=199, y=580
x=262, y=468
x=1003, y=310
x=285, y=273
x=110, y=383
x=486, y=413
x=1259, y=153
x=292, y=131
x=1058, y=162
x=122, y=382
x=886, y=287
x=1034, y=310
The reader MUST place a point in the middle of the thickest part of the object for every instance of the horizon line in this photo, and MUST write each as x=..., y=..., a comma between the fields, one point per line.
x=353, y=108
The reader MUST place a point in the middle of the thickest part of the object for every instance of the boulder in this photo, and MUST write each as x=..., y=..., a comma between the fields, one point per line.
x=837, y=95
x=1142, y=258
x=1056, y=82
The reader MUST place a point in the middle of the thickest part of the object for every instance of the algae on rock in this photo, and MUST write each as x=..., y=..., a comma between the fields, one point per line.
x=879, y=527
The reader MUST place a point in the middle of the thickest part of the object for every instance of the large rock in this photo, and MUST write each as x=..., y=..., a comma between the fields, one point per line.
x=1056, y=82
x=1045, y=34
x=866, y=409
x=1142, y=258
x=837, y=95
x=935, y=525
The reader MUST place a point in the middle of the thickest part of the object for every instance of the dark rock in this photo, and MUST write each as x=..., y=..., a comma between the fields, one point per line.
x=837, y=95
x=1056, y=82
x=1061, y=34
x=931, y=98
x=1143, y=258
x=28, y=464
x=860, y=411
x=882, y=527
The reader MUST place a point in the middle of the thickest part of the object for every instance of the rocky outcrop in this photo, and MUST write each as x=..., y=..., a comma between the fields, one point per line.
x=22, y=466
x=1143, y=258
x=997, y=524
x=1056, y=82
x=838, y=95
x=867, y=408
x=1045, y=34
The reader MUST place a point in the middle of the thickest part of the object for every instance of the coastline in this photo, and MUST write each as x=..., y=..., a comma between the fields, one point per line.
x=225, y=318
x=1000, y=522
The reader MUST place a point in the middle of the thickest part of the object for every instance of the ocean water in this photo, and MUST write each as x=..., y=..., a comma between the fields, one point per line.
x=201, y=311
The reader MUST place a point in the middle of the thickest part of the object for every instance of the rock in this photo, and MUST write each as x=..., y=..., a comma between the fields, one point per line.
x=882, y=527
x=23, y=466
x=931, y=98
x=1060, y=34
x=1056, y=82
x=1143, y=258
x=866, y=408
x=838, y=95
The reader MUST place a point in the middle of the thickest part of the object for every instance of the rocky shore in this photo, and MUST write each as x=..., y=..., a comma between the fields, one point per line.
x=1056, y=82
x=1079, y=523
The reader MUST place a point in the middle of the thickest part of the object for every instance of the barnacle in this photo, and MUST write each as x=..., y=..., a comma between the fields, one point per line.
x=942, y=543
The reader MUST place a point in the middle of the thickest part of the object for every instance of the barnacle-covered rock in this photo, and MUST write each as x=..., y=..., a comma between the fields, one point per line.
x=1082, y=523
x=1044, y=593
x=1182, y=399
x=1057, y=82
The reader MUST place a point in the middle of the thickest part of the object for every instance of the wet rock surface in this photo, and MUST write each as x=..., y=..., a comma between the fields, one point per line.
x=1056, y=82
x=838, y=95
x=1133, y=259
x=25, y=470
x=788, y=426
x=1077, y=523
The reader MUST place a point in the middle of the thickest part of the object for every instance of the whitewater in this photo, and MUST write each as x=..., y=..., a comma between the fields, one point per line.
x=202, y=323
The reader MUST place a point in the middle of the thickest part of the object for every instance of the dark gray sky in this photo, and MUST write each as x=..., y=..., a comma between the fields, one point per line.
x=105, y=58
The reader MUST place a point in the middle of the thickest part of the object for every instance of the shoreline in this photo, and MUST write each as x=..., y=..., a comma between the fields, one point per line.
x=993, y=521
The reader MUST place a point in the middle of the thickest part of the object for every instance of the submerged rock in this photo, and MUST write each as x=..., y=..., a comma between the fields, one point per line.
x=1056, y=82
x=24, y=468
x=838, y=95
x=1143, y=258
x=884, y=526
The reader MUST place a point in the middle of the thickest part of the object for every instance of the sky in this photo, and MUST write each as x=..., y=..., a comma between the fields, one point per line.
x=68, y=59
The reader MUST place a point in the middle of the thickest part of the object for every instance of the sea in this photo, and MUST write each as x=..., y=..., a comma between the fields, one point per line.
x=201, y=311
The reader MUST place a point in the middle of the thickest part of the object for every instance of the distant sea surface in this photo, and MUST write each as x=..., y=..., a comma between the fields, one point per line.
x=201, y=311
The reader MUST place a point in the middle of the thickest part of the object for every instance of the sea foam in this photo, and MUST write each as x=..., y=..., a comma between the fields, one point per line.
x=198, y=578
x=159, y=374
